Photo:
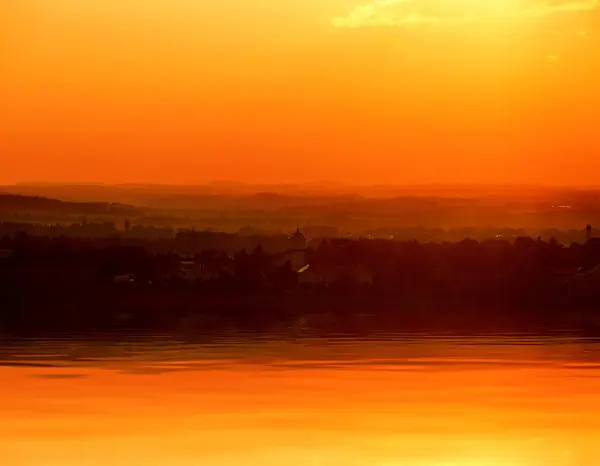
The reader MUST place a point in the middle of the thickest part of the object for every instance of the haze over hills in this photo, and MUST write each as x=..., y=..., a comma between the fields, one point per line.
x=350, y=209
x=147, y=193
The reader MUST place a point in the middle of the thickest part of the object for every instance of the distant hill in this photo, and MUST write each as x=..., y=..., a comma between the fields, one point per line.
x=229, y=207
x=10, y=203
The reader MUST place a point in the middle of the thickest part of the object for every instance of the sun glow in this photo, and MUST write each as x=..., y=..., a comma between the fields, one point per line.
x=436, y=12
x=394, y=92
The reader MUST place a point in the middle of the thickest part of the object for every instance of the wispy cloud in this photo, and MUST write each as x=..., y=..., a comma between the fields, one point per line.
x=432, y=12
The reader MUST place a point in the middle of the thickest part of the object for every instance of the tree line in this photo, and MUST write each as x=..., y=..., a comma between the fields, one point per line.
x=65, y=279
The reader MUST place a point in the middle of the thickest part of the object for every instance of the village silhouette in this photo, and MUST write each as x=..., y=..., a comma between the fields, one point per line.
x=88, y=276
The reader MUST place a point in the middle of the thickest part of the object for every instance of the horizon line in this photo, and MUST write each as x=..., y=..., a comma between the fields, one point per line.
x=313, y=183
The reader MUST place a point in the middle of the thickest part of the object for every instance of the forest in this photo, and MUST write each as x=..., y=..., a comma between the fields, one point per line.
x=60, y=283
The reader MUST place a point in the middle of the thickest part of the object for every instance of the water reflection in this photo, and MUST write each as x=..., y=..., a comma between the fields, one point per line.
x=242, y=399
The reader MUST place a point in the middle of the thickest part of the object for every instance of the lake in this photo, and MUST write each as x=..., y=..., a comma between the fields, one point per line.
x=239, y=399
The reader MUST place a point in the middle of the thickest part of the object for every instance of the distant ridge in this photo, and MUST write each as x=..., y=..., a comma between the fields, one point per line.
x=20, y=203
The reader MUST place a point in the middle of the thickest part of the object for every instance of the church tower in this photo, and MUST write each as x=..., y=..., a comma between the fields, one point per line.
x=588, y=233
x=297, y=250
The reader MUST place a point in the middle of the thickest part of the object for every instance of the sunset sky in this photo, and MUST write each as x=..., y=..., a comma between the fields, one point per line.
x=388, y=91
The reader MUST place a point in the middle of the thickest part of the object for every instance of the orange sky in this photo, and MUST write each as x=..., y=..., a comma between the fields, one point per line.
x=390, y=91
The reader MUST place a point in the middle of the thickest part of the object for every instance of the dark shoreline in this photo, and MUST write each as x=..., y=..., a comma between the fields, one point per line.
x=189, y=310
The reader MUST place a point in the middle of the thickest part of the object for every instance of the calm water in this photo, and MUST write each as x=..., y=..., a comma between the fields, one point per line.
x=514, y=400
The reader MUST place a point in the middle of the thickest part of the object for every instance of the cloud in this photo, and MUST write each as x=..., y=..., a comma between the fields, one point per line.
x=438, y=12
x=59, y=376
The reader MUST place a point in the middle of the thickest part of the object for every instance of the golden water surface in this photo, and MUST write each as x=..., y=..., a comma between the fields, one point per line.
x=394, y=400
